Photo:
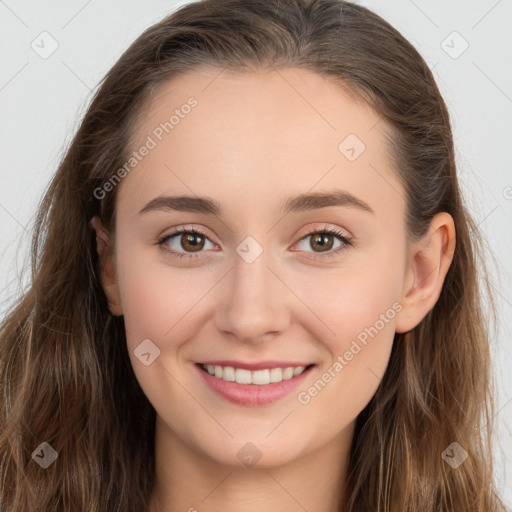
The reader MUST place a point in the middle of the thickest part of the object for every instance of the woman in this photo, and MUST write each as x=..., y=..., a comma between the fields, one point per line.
x=254, y=282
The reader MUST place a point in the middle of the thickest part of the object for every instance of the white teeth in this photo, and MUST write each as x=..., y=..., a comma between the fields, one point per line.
x=287, y=373
x=241, y=376
x=228, y=373
x=276, y=375
x=258, y=377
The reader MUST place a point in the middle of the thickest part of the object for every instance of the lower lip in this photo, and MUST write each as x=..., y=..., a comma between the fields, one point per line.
x=252, y=394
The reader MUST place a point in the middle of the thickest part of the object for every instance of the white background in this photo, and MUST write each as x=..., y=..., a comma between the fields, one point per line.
x=42, y=101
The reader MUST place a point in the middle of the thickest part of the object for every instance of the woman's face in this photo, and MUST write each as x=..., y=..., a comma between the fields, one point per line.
x=259, y=285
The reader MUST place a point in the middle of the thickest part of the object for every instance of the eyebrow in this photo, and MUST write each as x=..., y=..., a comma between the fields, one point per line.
x=300, y=203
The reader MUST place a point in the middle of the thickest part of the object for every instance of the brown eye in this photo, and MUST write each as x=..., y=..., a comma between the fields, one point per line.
x=322, y=242
x=192, y=241
x=187, y=243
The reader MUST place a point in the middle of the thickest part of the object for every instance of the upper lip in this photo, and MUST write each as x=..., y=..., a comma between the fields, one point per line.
x=261, y=365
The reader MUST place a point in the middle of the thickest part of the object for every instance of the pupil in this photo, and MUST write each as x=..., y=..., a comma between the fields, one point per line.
x=321, y=240
x=192, y=239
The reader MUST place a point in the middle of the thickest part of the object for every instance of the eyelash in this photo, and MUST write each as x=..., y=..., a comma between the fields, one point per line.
x=347, y=242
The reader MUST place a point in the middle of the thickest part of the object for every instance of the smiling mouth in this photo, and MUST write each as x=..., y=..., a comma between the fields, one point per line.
x=256, y=377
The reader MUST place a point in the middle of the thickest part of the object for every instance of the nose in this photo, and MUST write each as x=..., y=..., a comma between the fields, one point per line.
x=255, y=302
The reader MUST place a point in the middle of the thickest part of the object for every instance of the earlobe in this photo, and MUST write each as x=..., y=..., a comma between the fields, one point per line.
x=107, y=270
x=430, y=260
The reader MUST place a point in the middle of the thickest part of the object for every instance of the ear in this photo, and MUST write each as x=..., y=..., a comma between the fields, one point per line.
x=430, y=259
x=107, y=269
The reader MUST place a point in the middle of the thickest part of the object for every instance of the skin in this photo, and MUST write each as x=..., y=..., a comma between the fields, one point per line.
x=252, y=142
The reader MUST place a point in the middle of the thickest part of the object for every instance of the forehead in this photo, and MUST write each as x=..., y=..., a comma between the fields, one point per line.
x=274, y=107
x=248, y=134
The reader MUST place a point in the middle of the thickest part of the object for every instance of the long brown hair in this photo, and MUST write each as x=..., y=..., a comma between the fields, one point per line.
x=65, y=374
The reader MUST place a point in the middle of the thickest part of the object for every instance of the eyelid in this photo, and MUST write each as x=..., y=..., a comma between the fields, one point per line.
x=180, y=230
x=346, y=239
x=325, y=228
x=185, y=228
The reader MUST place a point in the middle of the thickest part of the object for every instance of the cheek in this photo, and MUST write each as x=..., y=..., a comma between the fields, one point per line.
x=359, y=307
x=158, y=305
x=157, y=299
x=346, y=382
x=350, y=301
x=147, y=310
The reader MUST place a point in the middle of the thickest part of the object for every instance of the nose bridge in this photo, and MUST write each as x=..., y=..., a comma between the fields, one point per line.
x=255, y=302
